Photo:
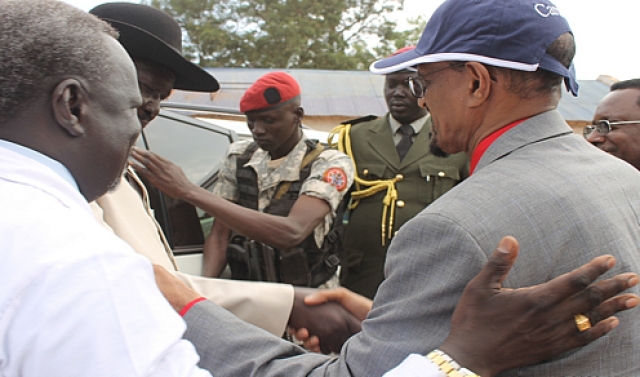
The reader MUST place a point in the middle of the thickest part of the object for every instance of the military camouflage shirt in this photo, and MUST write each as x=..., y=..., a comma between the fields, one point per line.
x=330, y=178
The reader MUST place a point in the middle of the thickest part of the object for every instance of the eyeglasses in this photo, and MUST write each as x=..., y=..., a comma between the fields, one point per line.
x=418, y=85
x=604, y=126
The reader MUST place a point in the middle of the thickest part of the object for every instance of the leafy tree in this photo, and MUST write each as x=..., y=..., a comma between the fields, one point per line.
x=323, y=34
x=393, y=40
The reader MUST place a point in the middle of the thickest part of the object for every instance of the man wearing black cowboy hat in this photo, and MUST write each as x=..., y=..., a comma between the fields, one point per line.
x=153, y=40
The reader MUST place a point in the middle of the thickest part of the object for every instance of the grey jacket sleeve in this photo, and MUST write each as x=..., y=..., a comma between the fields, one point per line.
x=425, y=275
x=231, y=347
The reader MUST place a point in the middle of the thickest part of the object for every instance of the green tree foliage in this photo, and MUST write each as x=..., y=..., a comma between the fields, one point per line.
x=322, y=34
x=394, y=40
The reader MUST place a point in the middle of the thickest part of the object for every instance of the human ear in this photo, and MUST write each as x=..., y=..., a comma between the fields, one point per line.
x=68, y=100
x=480, y=83
x=299, y=114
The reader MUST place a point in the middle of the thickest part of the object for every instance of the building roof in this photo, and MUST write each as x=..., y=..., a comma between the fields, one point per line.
x=582, y=107
x=352, y=93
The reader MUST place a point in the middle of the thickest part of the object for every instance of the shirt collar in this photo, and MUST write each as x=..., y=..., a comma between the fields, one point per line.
x=487, y=141
x=417, y=124
x=27, y=167
x=261, y=157
x=52, y=164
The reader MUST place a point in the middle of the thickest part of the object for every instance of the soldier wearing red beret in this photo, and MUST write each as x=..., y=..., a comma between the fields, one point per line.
x=294, y=180
x=288, y=190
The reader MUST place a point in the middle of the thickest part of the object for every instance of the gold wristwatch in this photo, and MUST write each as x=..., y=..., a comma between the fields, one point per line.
x=448, y=365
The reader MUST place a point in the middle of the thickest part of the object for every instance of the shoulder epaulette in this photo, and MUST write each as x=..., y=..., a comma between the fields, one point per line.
x=367, y=118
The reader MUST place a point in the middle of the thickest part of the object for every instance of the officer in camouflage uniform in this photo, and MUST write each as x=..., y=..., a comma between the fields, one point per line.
x=280, y=165
x=389, y=189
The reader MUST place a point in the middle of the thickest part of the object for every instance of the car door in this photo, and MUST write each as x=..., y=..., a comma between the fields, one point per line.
x=198, y=148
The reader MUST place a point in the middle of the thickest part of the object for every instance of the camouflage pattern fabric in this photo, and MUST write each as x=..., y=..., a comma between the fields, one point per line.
x=289, y=170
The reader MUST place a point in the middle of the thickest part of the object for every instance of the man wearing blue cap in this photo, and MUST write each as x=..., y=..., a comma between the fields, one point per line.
x=491, y=73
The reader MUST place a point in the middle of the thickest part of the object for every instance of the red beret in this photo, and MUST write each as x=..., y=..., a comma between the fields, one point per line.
x=270, y=90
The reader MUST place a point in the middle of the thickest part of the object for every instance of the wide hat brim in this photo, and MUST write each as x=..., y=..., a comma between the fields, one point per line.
x=142, y=44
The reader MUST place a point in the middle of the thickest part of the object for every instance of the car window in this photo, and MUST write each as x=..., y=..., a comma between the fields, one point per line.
x=198, y=148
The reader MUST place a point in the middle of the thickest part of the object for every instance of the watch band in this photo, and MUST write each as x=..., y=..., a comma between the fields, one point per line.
x=448, y=365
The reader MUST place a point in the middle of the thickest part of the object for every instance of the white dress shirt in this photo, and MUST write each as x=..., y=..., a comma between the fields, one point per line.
x=74, y=299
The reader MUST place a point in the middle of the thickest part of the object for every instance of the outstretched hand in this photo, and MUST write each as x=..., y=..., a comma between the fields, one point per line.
x=162, y=173
x=329, y=322
x=495, y=329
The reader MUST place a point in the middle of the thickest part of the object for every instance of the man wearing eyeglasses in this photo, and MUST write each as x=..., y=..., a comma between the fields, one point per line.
x=616, y=123
x=491, y=75
x=392, y=149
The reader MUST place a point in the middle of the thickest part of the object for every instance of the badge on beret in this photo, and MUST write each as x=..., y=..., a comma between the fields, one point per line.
x=336, y=177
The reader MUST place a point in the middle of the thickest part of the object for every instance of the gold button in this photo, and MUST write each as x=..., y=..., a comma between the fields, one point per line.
x=441, y=174
x=400, y=203
x=399, y=177
x=365, y=171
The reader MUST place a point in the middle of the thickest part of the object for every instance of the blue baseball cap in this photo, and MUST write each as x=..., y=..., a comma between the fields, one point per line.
x=512, y=34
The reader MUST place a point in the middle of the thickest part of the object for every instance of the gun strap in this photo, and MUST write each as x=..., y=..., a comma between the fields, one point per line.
x=284, y=187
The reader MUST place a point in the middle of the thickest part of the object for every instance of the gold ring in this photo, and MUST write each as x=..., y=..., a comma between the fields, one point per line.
x=582, y=322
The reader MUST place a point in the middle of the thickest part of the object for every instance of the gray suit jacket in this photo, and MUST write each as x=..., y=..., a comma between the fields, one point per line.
x=563, y=199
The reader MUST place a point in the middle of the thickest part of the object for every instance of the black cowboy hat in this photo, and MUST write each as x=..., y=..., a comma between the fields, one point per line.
x=151, y=34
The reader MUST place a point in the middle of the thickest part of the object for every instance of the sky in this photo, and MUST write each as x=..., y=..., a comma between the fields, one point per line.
x=605, y=33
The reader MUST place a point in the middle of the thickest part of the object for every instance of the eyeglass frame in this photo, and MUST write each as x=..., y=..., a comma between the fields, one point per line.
x=415, y=85
x=418, y=85
x=604, y=126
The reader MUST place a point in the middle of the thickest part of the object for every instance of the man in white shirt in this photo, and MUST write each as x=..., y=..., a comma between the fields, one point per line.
x=75, y=301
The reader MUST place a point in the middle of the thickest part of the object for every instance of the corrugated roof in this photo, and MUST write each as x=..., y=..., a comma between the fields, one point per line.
x=352, y=93
x=584, y=105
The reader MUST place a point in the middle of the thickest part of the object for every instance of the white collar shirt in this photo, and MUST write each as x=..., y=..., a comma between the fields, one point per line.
x=75, y=301
x=417, y=126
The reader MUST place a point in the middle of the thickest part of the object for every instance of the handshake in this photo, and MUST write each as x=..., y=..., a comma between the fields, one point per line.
x=529, y=324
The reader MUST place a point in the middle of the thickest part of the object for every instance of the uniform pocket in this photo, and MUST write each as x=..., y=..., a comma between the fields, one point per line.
x=440, y=177
x=372, y=172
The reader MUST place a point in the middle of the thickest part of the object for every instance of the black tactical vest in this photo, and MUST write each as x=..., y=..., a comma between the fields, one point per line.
x=306, y=264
